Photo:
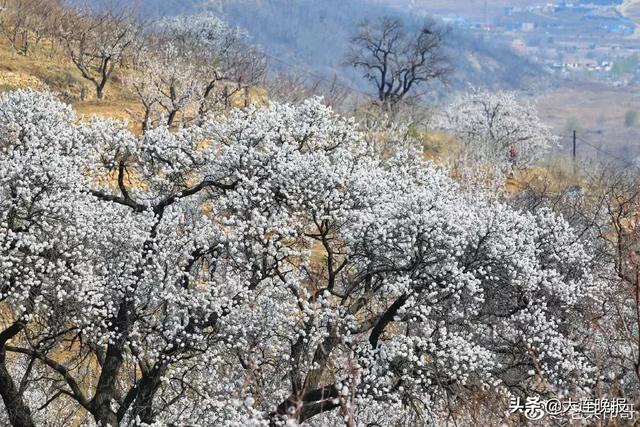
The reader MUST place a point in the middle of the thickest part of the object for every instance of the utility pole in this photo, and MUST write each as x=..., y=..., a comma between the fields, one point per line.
x=575, y=164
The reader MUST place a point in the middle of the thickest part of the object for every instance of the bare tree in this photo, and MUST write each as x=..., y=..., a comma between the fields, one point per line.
x=396, y=61
x=97, y=42
x=15, y=22
x=620, y=324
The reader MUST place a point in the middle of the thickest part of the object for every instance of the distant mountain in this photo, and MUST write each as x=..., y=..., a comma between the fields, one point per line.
x=311, y=36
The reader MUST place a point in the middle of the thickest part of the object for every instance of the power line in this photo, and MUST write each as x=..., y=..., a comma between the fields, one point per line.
x=606, y=153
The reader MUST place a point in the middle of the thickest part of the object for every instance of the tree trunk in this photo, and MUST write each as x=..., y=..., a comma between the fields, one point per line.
x=145, y=120
x=105, y=416
x=143, y=405
x=172, y=117
x=19, y=413
x=106, y=386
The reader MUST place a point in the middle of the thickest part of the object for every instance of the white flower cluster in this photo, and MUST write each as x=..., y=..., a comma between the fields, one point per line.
x=189, y=64
x=268, y=267
x=496, y=130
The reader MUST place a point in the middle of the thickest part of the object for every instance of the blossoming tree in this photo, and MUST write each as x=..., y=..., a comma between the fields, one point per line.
x=496, y=129
x=193, y=63
x=264, y=268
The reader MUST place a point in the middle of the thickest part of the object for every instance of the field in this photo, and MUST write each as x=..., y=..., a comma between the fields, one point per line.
x=597, y=113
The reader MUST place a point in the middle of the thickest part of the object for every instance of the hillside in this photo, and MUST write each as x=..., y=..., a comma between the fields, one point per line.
x=301, y=36
x=299, y=32
x=49, y=69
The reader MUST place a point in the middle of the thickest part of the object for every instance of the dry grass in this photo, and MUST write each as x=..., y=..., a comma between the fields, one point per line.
x=49, y=69
x=554, y=176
